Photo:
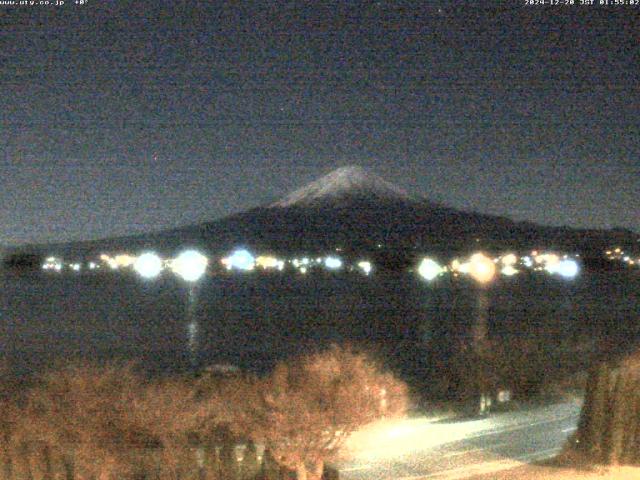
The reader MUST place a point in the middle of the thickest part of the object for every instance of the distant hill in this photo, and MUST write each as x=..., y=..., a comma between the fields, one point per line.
x=358, y=212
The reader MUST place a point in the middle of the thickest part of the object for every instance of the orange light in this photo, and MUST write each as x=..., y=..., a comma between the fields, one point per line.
x=481, y=268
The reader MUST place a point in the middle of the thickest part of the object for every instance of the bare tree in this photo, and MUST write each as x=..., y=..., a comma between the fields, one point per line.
x=105, y=422
x=305, y=410
x=109, y=422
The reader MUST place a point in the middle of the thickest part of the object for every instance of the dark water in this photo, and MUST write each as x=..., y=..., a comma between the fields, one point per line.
x=251, y=320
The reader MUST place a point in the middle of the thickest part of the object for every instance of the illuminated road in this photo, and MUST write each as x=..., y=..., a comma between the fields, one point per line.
x=426, y=449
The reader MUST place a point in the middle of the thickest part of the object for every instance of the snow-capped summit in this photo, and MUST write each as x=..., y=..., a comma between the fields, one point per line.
x=349, y=181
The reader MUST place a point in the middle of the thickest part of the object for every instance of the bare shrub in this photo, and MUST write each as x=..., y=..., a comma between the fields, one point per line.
x=307, y=407
x=106, y=422
x=102, y=423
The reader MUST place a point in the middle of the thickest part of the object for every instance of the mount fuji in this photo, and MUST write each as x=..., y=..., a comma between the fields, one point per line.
x=360, y=213
x=346, y=183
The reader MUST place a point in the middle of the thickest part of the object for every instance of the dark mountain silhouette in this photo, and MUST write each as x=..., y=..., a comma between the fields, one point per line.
x=359, y=212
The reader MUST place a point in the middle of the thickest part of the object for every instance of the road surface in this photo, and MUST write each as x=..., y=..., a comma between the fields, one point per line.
x=423, y=448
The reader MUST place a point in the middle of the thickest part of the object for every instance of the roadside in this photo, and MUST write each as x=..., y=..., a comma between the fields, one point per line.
x=568, y=465
x=450, y=449
x=539, y=472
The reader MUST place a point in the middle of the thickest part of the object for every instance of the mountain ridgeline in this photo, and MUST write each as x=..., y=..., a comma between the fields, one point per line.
x=360, y=213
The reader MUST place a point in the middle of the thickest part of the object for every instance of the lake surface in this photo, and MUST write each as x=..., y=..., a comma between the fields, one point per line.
x=252, y=319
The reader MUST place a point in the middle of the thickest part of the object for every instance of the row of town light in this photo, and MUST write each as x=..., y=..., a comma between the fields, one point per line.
x=191, y=265
x=483, y=269
x=478, y=266
x=243, y=260
x=622, y=256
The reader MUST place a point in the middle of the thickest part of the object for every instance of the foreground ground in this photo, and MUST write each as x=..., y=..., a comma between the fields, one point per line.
x=422, y=448
x=534, y=472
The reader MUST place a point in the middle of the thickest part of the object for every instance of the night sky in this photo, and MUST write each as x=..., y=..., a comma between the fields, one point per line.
x=121, y=117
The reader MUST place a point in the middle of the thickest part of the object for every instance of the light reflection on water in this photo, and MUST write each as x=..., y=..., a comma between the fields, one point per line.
x=249, y=320
x=193, y=327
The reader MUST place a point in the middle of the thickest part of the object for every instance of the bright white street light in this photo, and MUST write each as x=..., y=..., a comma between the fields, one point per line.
x=332, y=263
x=240, y=260
x=148, y=265
x=429, y=269
x=190, y=265
x=567, y=268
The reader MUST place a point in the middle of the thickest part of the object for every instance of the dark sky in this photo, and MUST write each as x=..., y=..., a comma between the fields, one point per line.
x=119, y=117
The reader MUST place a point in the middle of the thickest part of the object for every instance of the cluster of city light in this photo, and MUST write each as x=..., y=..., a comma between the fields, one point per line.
x=509, y=264
x=303, y=264
x=117, y=262
x=244, y=261
x=478, y=266
x=57, y=265
x=555, y=264
x=622, y=256
x=365, y=267
x=54, y=264
x=240, y=259
x=483, y=268
x=191, y=265
x=269, y=262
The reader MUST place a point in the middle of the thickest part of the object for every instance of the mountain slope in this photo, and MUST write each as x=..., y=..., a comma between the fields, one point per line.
x=361, y=213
